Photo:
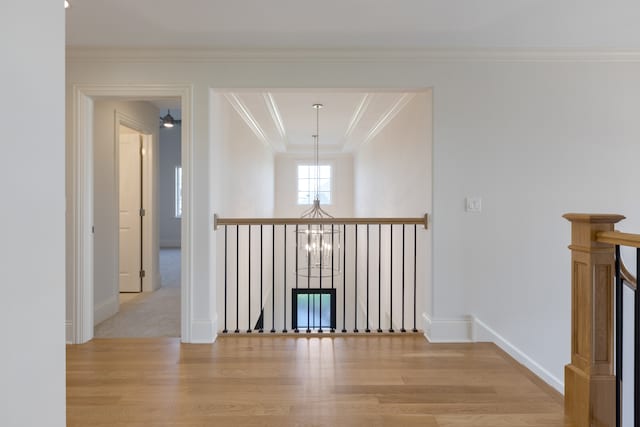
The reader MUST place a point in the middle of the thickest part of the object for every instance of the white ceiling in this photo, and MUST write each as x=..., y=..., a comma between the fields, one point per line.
x=286, y=120
x=355, y=23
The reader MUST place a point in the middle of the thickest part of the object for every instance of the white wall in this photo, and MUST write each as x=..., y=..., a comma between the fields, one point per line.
x=106, y=217
x=534, y=141
x=392, y=172
x=393, y=178
x=533, y=134
x=169, y=155
x=286, y=184
x=246, y=173
x=248, y=169
x=32, y=254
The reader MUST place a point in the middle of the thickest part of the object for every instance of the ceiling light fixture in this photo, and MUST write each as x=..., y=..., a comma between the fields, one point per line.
x=168, y=121
x=318, y=244
x=66, y=4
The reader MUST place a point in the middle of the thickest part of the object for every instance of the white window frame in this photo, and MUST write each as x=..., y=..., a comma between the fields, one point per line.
x=177, y=190
x=331, y=186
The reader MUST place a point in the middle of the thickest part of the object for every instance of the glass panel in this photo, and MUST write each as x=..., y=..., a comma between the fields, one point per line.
x=304, y=198
x=324, y=197
x=312, y=317
x=303, y=185
x=178, y=192
x=325, y=185
x=312, y=172
x=303, y=171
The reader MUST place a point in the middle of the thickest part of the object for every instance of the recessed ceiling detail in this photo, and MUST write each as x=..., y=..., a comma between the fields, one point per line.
x=286, y=120
x=275, y=115
x=243, y=111
x=386, y=118
x=357, y=115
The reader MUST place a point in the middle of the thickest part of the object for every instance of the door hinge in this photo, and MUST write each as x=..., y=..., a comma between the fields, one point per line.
x=142, y=274
x=142, y=212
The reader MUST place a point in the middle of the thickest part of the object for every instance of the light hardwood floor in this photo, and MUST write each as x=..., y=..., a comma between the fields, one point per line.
x=288, y=381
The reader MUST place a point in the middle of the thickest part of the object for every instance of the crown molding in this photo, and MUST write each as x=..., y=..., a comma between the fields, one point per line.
x=194, y=55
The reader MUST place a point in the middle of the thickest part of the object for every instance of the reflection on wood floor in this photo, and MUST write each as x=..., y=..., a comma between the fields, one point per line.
x=289, y=381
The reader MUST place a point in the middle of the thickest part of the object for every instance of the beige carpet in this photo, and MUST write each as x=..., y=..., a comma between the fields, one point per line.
x=149, y=314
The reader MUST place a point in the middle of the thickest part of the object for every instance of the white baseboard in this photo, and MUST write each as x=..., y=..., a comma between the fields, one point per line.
x=472, y=329
x=106, y=309
x=204, y=331
x=447, y=330
x=68, y=331
x=483, y=333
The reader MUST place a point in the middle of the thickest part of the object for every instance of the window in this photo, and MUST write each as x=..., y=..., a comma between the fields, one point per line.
x=178, y=190
x=313, y=308
x=308, y=178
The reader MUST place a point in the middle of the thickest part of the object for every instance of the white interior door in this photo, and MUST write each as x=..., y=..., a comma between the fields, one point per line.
x=130, y=211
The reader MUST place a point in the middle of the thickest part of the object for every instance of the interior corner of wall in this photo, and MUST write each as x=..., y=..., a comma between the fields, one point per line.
x=427, y=326
x=68, y=331
x=106, y=309
x=448, y=330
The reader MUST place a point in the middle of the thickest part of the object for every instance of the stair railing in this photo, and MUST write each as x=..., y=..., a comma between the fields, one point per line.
x=372, y=283
x=593, y=379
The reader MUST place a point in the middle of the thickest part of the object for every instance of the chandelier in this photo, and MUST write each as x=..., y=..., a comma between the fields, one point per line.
x=318, y=245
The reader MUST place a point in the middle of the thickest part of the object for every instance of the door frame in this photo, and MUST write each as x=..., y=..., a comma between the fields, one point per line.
x=80, y=161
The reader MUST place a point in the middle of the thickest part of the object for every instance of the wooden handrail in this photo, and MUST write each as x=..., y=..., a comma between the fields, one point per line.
x=619, y=238
x=622, y=239
x=217, y=221
x=628, y=277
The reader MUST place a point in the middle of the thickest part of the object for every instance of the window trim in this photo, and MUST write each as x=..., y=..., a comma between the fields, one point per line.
x=177, y=195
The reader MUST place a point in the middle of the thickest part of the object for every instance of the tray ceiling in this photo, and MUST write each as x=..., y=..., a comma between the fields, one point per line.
x=287, y=121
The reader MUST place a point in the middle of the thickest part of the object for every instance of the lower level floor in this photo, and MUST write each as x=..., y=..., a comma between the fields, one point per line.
x=303, y=381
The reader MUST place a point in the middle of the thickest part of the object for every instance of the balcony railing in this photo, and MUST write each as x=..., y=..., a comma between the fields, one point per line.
x=344, y=275
x=594, y=378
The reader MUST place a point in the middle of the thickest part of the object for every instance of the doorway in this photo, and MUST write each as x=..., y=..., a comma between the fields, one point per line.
x=127, y=248
x=81, y=299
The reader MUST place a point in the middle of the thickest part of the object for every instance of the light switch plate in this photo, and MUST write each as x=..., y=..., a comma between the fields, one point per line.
x=473, y=204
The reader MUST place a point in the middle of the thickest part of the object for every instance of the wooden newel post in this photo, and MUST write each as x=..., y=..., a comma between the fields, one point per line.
x=589, y=380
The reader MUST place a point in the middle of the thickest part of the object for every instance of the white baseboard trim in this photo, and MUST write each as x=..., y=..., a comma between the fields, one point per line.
x=204, y=331
x=106, y=309
x=483, y=333
x=68, y=331
x=447, y=330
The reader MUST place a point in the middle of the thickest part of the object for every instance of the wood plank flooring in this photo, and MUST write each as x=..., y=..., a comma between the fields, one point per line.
x=288, y=381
